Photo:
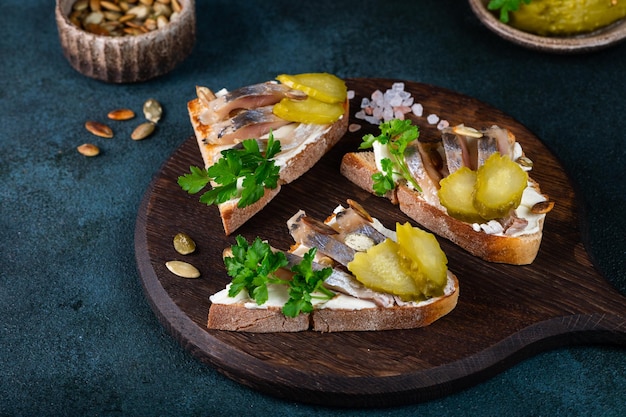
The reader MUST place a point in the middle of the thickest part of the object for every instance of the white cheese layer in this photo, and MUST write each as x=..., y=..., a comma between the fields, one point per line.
x=278, y=295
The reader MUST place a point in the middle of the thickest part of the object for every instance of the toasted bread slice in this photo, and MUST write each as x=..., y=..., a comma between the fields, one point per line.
x=342, y=314
x=294, y=163
x=518, y=249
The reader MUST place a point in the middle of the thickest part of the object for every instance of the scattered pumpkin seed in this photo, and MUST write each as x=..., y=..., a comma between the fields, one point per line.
x=184, y=244
x=99, y=129
x=354, y=127
x=121, y=114
x=182, y=269
x=88, y=149
x=152, y=110
x=542, y=207
x=142, y=131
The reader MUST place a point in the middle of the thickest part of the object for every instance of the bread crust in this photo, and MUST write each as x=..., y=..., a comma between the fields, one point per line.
x=358, y=167
x=236, y=317
x=234, y=217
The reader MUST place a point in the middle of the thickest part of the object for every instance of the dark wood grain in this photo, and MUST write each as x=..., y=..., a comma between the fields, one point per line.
x=505, y=313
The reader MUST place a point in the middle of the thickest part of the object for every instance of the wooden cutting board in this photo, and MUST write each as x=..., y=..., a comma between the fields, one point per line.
x=505, y=313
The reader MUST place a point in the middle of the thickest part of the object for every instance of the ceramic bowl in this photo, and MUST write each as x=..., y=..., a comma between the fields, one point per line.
x=130, y=58
x=598, y=39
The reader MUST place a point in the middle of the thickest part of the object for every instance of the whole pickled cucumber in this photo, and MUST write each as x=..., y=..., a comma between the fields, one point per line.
x=566, y=17
x=500, y=183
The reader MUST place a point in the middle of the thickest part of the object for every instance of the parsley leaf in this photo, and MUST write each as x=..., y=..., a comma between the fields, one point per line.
x=396, y=135
x=505, y=6
x=241, y=172
x=304, y=283
x=195, y=181
x=383, y=181
x=252, y=267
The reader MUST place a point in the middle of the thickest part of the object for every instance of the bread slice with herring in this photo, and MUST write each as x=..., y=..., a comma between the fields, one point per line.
x=222, y=120
x=353, y=306
x=514, y=239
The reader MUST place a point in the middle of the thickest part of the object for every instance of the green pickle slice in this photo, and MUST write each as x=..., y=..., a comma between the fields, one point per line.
x=456, y=195
x=425, y=257
x=500, y=183
x=309, y=110
x=321, y=86
x=382, y=269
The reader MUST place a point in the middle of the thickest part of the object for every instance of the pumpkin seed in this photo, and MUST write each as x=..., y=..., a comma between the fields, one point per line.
x=142, y=131
x=99, y=129
x=121, y=114
x=122, y=17
x=110, y=6
x=354, y=127
x=182, y=269
x=88, y=149
x=525, y=162
x=161, y=21
x=94, y=5
x=94, y=18
x=542, y=207
x=80, y=5
x=152, y=110
x=184, y=244
x=127, y=18
x=141, y=11
x=467, y=131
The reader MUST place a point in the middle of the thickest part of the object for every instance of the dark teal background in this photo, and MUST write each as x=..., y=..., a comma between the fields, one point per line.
x=77, y=336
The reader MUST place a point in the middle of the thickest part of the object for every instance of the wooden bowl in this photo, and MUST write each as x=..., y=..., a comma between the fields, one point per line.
x=599, y=39
x=130, y=58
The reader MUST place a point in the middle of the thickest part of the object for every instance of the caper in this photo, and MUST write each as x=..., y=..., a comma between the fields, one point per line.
x=184, y=244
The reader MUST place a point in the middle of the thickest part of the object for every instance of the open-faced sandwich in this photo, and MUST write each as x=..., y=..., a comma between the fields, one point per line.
x=347, y=273
x=469, y=186
x=256, y=138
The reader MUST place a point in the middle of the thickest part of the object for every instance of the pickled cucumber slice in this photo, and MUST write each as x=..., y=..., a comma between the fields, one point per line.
x=566, y=17
x=456, y=195
x=321, y=86
x=309, y=110
x=500, y=183
x=382, y=269
x=427, y=262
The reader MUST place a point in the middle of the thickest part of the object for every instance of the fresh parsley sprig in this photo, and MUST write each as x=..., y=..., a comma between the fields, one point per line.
x=241, y=172
x=304, y=284
x=505, y=6
x=253, y=267
x=396, y=135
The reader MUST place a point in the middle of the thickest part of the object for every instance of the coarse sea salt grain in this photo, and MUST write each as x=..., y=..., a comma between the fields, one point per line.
x=394, y=103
